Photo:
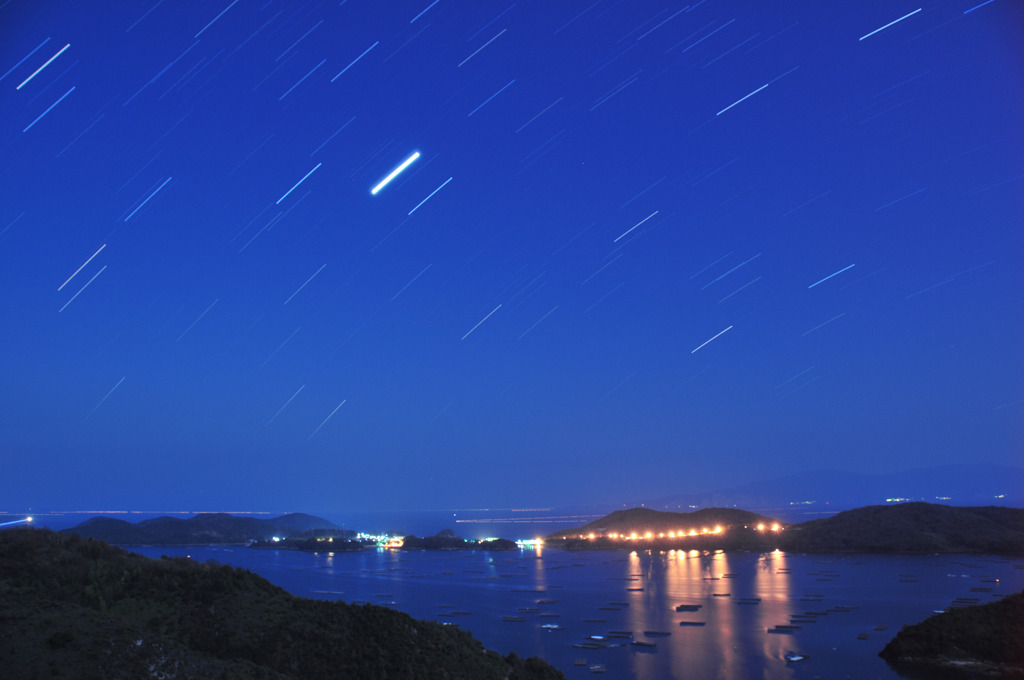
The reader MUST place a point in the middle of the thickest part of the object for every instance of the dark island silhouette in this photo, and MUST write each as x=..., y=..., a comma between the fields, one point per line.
x=77, y=607
x=211, y=528
x=900, y=528
x=982, y=639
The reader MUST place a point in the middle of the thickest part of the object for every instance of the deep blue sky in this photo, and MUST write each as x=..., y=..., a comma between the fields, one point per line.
x=619, y=183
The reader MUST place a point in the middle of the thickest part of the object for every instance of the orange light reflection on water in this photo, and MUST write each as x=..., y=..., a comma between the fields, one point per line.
x=732, y=630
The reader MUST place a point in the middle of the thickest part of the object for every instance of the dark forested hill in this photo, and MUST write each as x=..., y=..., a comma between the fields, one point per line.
x=983, y=639
x=72, y=607
x=642, y=520
x=912, y=527
x=204, y=528
x=709, y=528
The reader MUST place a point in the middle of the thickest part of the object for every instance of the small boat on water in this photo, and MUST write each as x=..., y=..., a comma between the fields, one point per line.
x=643, y=643
x=793, y=656
x=692, y=623
x=598, y=668
x=513, y=618
x=550, y=626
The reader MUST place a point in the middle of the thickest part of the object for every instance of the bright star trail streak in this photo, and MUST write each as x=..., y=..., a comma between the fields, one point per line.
x=48, y=62
x=325, y=419
x=352, y=63
x=83, y=265
x=722, y=276
x=298, y=183
x=742, y=99
x=707, y=341
x=413, y=20
x=322, y=62
x=198, y=319
x=480, y=48
x=157, y=76
x=81, y=289
x=830, y=276
x=535, y=323
x=215, y=19
x=480, y=322
x=333, y=136
x=304, y=285
x=820, y=325
x=147, y=199
x=967, y=11
x=636, y=225
x=540, y=114
x=711, y=265
x=410, y=283
x=789, y=380
x=739, y=289
x=431, y=194
x=94, y=408
x=890, y=24
x=49, y=109
x=24, y=59
x=394, y=173
x=490, y=98
x=286, y=404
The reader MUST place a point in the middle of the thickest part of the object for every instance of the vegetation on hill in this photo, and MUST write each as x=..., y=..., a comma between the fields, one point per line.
x=709, y=528
x=203, y=529
x=447, y=540
x=912, y=528
x=72, y=607
x=983, y=639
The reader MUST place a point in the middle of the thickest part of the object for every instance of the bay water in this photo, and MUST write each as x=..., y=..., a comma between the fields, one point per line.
x=582, y=610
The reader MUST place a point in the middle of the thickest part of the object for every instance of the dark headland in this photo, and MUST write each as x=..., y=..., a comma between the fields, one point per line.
x=986, y=640
x=902, y=528
x=210, y=528
x=72, y=607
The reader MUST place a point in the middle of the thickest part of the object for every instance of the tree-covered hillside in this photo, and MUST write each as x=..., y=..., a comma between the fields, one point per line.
x=912, y=528
x=72, y=607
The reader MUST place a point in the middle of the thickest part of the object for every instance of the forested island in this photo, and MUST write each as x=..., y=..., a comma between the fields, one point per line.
x=447, y=540
x=72, y=607
x=208, y=528
x=902, y=528
x=982, y=639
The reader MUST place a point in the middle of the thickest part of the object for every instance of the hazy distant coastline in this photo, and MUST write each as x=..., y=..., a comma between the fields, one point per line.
x=902, y=528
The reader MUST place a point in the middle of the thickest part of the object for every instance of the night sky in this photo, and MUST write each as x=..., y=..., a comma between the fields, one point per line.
x=645, y=248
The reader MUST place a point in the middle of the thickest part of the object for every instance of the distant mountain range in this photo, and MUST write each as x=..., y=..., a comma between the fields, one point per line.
x=833, y=490
x=203, y=529
x=901, y=528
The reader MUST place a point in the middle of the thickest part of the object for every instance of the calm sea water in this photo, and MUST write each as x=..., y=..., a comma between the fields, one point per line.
x=846, y=607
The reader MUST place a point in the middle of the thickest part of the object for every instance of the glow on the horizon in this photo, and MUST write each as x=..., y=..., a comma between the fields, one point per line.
x=394, y=173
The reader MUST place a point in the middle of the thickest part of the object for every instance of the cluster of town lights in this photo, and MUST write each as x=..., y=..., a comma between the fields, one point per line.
x=682, y=533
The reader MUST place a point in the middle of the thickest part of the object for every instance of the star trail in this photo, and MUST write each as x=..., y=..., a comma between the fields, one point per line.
x=436, y=254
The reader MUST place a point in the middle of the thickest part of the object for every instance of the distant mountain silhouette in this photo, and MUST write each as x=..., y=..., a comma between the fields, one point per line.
x=912, y=528
x=900, y=528
x=204, y=528
x=643, y=520
x=833, y=490
x=712, y=528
